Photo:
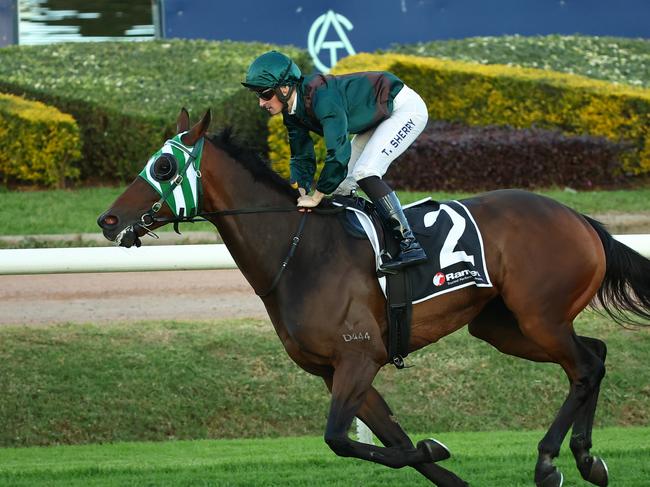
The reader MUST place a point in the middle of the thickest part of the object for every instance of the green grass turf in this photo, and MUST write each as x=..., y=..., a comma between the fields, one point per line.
x=149, y=381
x=484, y=459
x=76, y=211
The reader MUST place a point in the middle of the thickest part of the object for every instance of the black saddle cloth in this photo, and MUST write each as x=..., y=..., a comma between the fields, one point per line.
x=448, y=234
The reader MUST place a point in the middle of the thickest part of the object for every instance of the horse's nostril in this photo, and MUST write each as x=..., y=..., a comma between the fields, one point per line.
x=110, y=220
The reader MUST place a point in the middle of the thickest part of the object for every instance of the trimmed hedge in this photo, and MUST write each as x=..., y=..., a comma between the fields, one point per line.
x=510, y=96
x=614, y=59
x=38, y=144
x=126, y=95
x=451, y=157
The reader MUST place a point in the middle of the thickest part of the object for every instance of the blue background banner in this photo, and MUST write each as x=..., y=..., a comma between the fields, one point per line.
x=341, y=27
x=8, y=22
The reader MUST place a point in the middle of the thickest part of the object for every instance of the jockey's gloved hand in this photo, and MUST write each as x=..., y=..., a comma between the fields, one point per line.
x=306, y=201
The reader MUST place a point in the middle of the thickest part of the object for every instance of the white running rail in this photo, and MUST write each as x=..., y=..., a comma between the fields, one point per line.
x=155, y=258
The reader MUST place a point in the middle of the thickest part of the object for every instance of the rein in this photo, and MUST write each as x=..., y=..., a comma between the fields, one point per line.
x=292, y=249
x=249, y=211
x=201, y=216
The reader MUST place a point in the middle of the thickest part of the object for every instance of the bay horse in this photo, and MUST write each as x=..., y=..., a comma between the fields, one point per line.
x=546, y=263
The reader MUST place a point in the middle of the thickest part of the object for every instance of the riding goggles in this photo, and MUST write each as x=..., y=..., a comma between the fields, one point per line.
x=174, y=172
x=266, y=95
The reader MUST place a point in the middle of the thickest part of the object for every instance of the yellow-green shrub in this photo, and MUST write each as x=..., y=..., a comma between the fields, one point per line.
x=476, y=94
x=38, y=143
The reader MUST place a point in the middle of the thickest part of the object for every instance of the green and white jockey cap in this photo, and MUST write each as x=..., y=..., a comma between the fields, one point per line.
x=174, y=172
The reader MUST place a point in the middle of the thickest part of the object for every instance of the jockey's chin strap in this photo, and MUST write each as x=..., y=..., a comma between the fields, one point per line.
x=285, y=98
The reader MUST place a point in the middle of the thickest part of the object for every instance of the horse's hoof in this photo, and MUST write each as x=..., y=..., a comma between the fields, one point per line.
x=598, y=474
x=554, y=479
x=434, y=449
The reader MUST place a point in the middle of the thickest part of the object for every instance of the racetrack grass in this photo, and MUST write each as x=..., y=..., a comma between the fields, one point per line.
x=484, y=459
x=51, y=212
x=73, y=384
x=76, y=211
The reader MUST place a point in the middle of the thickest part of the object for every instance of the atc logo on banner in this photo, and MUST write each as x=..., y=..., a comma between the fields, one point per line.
x=328, y=34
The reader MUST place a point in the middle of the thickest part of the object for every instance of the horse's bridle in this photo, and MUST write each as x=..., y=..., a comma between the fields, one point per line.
x=192, y=159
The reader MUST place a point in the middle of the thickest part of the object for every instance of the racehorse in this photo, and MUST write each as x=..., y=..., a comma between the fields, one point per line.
x=325, y=287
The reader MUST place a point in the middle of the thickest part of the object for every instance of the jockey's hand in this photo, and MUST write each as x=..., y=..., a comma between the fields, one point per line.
x=307, y=201
x=302, y=191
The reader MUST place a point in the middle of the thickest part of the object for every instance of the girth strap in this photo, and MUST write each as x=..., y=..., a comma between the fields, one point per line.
x=399, y=307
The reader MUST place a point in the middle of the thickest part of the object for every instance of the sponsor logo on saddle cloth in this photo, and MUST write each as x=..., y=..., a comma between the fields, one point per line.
x=453, y=244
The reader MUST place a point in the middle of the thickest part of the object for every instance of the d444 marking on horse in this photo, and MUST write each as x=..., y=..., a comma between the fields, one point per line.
x=351, y=337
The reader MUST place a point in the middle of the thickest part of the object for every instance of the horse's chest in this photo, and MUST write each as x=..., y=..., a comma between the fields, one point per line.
x=303, y=344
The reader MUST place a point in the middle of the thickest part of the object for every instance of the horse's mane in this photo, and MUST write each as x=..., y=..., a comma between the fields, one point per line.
x=260, y=168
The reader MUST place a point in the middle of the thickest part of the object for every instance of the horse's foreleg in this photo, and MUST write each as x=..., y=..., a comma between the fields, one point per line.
x=593, y=469
x=350, y=384
x=379, y=418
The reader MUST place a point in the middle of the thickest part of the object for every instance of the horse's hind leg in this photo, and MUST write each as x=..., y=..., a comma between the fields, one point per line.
x=379, y=418
x=350, y=384
x=498, y=326
x=585, y=371
x=593, y=469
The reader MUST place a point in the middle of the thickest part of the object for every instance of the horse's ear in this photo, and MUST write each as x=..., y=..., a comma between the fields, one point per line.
x=183, y=121
x=198, y=131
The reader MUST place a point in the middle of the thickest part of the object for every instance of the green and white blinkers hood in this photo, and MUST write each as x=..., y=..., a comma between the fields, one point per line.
x=175, y=173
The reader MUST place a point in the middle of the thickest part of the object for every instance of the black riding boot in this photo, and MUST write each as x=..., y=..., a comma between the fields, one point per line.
x=393, y=218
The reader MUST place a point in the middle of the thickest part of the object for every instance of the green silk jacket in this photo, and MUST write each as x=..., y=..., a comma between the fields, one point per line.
x=334, y=107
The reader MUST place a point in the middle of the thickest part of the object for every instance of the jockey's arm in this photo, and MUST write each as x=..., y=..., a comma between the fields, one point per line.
x=333, y=119
x=302, y=164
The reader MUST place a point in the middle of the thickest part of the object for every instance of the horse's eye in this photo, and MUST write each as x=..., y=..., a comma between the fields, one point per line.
x=164, y=168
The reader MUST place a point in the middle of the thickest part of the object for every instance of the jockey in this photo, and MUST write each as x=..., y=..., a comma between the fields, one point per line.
x=385, y=115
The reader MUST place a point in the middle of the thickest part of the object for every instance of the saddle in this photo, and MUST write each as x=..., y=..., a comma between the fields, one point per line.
x=452, y=241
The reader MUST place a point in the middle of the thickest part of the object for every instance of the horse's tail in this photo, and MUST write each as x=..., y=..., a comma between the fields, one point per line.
x=626, y=287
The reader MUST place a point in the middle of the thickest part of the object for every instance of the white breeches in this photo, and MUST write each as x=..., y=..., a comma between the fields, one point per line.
x=374, y=150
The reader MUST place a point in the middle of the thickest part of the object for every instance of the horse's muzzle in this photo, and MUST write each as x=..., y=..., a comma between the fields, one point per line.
x=128, y=238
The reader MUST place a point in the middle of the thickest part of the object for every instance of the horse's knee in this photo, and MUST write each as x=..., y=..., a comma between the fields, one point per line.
x=339, y=445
